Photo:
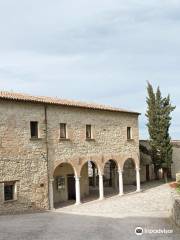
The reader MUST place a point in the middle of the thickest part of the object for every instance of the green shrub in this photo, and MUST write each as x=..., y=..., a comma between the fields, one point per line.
x=178, y=188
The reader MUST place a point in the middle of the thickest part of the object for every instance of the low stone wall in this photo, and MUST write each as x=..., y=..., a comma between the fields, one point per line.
x=176, y=207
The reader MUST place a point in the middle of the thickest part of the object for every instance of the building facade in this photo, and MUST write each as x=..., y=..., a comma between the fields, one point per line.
x=147, y=167
x=175, y=168
x=47, y=146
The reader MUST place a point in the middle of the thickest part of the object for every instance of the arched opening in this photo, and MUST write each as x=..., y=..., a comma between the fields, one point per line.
x=64, y=185
x=89, y=181
x=129, y=176
x=110, y=178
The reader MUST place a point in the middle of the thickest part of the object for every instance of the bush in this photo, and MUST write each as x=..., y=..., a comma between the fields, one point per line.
x=173, y=185
x=176, y=186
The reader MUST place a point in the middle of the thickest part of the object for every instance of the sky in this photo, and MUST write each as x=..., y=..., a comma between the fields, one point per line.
x=100, y=51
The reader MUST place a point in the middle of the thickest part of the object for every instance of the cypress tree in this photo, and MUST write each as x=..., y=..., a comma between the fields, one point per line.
x=152, y=126
x=159, y=120
x=166, y=145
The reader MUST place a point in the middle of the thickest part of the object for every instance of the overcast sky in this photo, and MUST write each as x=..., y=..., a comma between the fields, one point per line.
x=94, y=50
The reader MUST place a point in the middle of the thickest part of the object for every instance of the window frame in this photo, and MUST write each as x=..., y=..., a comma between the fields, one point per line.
x=129, y=133
x=13, y=184
x=36, y=129
x=91, y=133
x=65, y=131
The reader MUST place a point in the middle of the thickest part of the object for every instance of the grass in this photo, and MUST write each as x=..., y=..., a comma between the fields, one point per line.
x=178, y=189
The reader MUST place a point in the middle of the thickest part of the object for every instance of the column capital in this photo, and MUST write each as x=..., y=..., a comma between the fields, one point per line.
x=51, y=180
x=100, y=174
x=77, y=177
x=120, y=170
x=138, y=169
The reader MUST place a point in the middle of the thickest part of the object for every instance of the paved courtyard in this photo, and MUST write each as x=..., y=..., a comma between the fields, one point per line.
x=153, y=201
x=113, y=218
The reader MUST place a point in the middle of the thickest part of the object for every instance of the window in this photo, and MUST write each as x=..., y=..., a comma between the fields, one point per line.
x=34, y=129
x=9, y=191
x=88, y=132
x=63, y=132
x=60, y=183
x=129, y=133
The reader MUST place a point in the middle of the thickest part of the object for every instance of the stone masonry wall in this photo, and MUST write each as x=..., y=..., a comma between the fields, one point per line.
x=25, y=161
x=22, y=159
x=176, y=160
x=109, y=133
x=176, y=207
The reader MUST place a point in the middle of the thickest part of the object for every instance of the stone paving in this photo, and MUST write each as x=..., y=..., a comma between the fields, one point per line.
x=153, y=201
x=113, y=218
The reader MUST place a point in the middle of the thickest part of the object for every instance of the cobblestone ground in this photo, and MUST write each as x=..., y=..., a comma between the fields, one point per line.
x=153, y=201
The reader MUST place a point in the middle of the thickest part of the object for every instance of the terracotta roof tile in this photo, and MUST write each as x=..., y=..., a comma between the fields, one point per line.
x=56, y=101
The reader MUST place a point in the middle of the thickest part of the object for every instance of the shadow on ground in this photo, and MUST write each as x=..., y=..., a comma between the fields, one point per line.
x=110, y=192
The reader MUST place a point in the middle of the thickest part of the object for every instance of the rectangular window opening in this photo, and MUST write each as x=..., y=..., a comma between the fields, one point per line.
x=9, y=191
x=63, y=130
x=88, y=132
x=34, y=129
x=129, y=133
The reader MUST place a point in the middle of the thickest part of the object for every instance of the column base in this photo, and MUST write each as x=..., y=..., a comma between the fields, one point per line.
x=138, y=191
x=78, y=203
x=101, y=198
x=121, y=194
x=52, y=209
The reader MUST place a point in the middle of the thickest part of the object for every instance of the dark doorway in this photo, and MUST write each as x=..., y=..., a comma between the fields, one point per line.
x=71, y=188
x=110, y=178
x=147, y=173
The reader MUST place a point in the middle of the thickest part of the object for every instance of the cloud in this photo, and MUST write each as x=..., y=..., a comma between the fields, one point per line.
x=100, y=51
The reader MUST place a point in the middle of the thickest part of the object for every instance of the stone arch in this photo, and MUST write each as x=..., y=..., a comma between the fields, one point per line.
x=129, y=174
x=96, y=159
x=129, y=159
x=64, y=183
x=133, y=158
x=114, y=160
x=110, y=176
x=89, y=160
x=89, y=179
x=70, y=162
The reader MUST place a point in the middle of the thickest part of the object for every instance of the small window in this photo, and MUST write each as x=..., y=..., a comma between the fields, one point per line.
x=129, y=133
x=88, y=132
x=34, y=129
x=9, y=189
x=63, y=132
x=60, y=183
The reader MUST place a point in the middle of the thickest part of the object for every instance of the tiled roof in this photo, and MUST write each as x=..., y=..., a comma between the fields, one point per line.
x=56, y=101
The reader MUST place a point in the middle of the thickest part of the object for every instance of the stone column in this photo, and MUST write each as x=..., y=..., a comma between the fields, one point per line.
x=101, y=187
x=78, y=194
x=138, y=180
x=121, y=182
x=51, y=197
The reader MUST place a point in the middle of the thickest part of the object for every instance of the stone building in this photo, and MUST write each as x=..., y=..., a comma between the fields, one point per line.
x=146, y=166
x=48, y=147
x=175, y=168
